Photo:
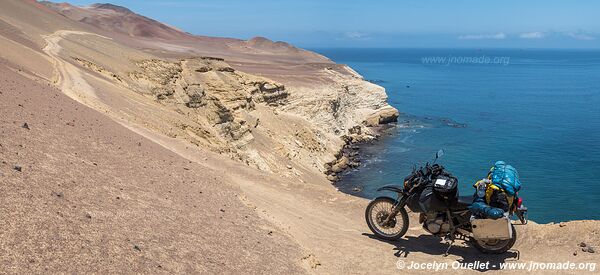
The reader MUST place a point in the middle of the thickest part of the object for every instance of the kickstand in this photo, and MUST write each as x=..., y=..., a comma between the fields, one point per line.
x=450, y=243
x=451, y=236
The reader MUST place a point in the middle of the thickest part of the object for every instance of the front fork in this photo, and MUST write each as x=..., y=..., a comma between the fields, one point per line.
x=396, y=208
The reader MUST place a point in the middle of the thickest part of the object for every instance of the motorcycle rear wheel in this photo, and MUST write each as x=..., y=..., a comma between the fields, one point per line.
x=496, y=246
x=375, y=215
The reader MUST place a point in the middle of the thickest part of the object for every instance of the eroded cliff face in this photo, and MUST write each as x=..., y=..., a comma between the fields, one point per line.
x=257, y=120
x=219, y=99
x=341, y=103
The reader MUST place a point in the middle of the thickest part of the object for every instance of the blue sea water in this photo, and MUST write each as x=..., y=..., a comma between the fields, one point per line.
x=538, y=110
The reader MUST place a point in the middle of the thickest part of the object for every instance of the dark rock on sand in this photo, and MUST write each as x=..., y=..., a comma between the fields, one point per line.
x=332, y=177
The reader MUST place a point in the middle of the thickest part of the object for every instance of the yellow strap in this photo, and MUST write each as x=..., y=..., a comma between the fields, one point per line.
x=489, y=191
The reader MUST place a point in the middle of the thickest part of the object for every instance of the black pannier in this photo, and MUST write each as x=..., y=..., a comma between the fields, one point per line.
x=446, y=188
x=432, y=188
x=428, y=201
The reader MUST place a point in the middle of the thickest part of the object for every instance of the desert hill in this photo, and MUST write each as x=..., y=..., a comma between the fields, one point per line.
x=113, y=18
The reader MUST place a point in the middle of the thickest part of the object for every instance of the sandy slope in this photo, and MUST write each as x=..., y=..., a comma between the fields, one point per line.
x=93, y=196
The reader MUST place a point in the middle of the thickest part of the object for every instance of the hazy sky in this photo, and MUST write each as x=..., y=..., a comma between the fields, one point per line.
x=386, y=23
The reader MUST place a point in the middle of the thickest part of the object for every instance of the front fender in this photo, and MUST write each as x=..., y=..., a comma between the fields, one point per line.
x=391, y=187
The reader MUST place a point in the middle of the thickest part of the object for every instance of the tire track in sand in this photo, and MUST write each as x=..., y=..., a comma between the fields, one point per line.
x=68, y=78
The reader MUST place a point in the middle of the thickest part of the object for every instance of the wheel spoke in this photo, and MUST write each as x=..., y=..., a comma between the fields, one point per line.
x=384, y=208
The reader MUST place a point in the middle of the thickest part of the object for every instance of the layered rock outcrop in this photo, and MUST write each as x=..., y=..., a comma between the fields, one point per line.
x=219, y=99
x=230, y=109
x=343, y=102
x=227, y=110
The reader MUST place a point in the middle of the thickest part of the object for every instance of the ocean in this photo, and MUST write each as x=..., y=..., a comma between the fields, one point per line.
x=536, y=109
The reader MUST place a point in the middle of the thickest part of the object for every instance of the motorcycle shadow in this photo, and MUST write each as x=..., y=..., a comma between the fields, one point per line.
x=434, y=245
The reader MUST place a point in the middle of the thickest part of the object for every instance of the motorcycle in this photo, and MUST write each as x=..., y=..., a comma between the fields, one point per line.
x=433, y=193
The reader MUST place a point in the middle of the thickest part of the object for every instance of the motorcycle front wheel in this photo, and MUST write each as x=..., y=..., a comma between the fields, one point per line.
x=376, y=215
x=496, y=246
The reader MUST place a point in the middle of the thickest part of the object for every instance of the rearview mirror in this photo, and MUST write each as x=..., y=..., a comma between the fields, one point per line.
x=439, y=154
